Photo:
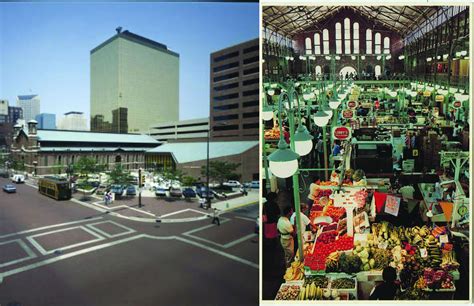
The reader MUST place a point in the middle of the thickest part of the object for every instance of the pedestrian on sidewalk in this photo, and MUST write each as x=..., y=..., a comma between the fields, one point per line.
x=215, y=218
x=106, y=199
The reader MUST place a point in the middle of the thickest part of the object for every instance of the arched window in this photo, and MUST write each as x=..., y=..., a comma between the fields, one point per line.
x=368, y=44
x=347, y=36
x=318, y=70
x=317, y=44
x=378, y=41
x=308, y=45
x=326, y=41
x=386, y=45
x=338, y=38
x=378, y=70
x=356, y=38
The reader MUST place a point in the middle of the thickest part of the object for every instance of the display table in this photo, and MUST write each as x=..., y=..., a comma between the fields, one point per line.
x=430, y=200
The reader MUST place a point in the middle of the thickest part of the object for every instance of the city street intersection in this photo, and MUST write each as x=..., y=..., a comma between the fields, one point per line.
x=77, y=253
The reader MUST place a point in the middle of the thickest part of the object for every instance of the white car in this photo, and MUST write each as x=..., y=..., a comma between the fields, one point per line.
x=232, y=184
x=18, y=178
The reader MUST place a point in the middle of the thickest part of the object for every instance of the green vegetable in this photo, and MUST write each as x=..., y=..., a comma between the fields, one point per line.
x=343, y=283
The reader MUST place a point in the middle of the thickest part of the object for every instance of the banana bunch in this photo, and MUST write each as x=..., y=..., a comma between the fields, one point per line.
x=295, y=271
x=311, y=292
x=448, y=261
x=332, y=262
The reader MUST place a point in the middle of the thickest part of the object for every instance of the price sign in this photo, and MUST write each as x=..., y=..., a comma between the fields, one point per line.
x=341, y=132
x=457, y=104
x=439, y=98
x=347, y=114
x=443, y=239
x=392, y=205
x=351, y=104
x=423, y=253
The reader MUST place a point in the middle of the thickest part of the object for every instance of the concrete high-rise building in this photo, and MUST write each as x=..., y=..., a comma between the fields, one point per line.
x=30, y=105
x=46, y=121
x=181, y=131
x=73, y=121
x=3, y=107
x=134, y=84
x=15, y=113
x=234, y=112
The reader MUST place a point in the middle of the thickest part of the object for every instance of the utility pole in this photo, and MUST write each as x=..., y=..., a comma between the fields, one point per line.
x=140, y=187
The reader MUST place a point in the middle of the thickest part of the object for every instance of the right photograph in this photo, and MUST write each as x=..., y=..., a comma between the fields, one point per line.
x=365, y=157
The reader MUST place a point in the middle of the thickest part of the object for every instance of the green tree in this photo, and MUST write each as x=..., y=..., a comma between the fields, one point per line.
x=57, y=168
x=188, y=180
x=120, y=176
x=85, y=166
x=220, y=171
x=173, y=175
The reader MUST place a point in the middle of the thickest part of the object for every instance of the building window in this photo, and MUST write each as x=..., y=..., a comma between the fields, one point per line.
x=226, y=56
x=250, y=93
x=307, y=43
x=338, y=38
x=251, y=49
x=226, y=97
x=226, y=77
x=368, y=46
x=251, y=126
x=251, y=115
x=250, y=103
x=250, y=82
x=226, y=66
x=378, y=42
x=226, y=107
x=318, y=70
x=225, y=87
x=356, y=38
x=386, y=45
x=251, y=60
x=226, y=127
x=251, y=71
x=226, y=117
x=317, y=44
x=326, y=41
x=46, y=160
x=59, y=159
x=347, y=36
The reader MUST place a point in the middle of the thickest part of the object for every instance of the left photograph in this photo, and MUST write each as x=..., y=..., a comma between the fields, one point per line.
x=129, y=154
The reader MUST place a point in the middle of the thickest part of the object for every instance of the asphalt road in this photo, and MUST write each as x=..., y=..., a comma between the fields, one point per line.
x=62, y=253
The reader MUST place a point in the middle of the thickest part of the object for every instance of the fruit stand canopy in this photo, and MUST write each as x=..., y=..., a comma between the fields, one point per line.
x=293, y=20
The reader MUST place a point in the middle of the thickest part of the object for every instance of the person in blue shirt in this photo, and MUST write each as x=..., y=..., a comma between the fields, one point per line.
x=337, y=148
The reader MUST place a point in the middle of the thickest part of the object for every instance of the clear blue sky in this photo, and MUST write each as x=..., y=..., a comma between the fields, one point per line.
x=44, y=47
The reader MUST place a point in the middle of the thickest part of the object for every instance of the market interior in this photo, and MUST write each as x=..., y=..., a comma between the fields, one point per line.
x=366, y=152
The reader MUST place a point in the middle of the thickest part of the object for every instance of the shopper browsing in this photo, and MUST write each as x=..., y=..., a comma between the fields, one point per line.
x=388, y=289
x=312, y=190
x=286, y=231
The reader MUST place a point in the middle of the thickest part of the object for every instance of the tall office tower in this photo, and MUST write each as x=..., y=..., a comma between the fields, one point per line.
x=46, y=121
x=30, y=105
x=15, y=113
x=234, y=95
x=73, y=121
x=134, y=84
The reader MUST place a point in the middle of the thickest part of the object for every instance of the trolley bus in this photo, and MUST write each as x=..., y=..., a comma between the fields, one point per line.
x=55, y=188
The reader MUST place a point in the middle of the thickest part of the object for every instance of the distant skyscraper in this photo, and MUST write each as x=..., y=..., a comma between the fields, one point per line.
x=46, y=121
x=73, y=121
x=30, y=105
x=15, y=113
x=134, y=84
x=3, y=107
x=234, y=113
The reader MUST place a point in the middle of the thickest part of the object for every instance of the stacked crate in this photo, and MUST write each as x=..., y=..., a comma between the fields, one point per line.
x=431, y=148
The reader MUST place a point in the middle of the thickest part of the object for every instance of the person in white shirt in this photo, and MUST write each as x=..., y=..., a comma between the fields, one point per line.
x=286, y=231
x=305, y=221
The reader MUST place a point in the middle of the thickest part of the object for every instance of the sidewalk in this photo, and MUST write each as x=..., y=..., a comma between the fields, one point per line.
x=251, y=198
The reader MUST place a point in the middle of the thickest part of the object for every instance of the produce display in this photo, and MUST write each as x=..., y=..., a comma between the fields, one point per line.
x=295, y=271
x=288, y=292
x=343, y=283
x=272, y=134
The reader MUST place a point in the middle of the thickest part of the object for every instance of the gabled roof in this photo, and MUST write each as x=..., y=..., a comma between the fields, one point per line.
x=77, y=136
x=186, y=152
x=27, y=97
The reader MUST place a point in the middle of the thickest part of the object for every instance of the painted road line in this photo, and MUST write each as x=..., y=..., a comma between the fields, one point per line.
x=23, y=245
x=69, y=255
x=88, y=205
x=127, y=229
x=140, y=210
x=28, y=184
x=222, y=221
x=175, y=213
x=240, y=240
x=49, y=227
x=230, y=256
x=243, y=205
x=246, y=218
x=32, y=240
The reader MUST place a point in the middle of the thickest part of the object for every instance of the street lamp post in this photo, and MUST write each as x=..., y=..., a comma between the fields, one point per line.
x=208, y=199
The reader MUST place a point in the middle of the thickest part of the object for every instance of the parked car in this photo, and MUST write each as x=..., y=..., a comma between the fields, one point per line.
x=102, y=189
x=255, y=184
x=189, y=193
x=176, y=192
x=18, y=178
x=232, y=184
x=117, y=189
x=202, y=193
x=131, y=191
x=95, y=184
x=160, y=192
x=9, y=188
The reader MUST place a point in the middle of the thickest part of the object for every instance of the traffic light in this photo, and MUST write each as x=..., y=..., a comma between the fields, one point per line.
x=142, y=181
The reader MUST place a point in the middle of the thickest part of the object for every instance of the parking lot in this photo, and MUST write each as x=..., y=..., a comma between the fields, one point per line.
x=67, y=253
